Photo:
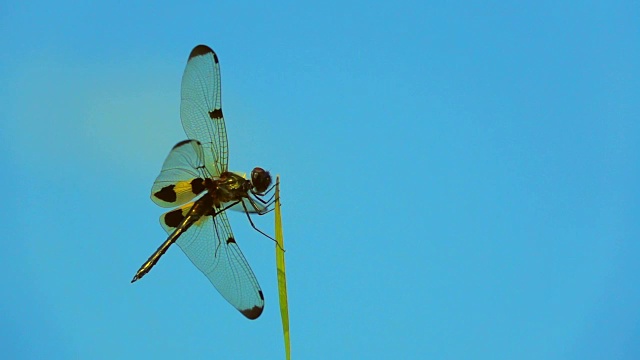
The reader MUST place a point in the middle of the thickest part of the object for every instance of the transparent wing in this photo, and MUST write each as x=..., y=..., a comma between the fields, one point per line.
x=253, y=206
x=182, y=176
x=211, y=247
x=201, y=107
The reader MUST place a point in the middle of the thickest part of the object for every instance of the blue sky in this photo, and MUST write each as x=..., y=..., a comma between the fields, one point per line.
x=459, y=181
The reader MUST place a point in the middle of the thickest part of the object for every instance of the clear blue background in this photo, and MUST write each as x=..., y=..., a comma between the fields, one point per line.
x=460, y=181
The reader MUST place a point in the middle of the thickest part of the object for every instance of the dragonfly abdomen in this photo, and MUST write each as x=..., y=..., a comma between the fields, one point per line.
x=202, y=207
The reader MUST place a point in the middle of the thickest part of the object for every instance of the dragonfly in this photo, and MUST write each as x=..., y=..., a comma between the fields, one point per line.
x=195, y=180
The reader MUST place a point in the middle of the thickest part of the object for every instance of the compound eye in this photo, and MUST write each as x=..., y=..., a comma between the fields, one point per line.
x=261, y=179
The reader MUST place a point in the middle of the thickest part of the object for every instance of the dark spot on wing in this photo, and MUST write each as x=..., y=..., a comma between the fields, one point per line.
x=216, y=114
x=202, y=50
x=231, y=240
x=173, y=218
x=167, y=194
x=261, y=296
x=252, y=313
x=197, y=186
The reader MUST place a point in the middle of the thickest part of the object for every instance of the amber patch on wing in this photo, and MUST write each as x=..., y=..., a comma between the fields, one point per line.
x=181, y=191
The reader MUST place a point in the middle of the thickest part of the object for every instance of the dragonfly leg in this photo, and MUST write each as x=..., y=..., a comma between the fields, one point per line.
x=246, y=211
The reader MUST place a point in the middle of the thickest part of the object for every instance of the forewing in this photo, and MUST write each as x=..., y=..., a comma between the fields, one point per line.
x=211, y=247
x=201, y=107
x=182, y=175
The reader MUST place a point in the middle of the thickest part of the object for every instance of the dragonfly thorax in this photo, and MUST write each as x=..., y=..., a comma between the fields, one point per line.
x=232, y=187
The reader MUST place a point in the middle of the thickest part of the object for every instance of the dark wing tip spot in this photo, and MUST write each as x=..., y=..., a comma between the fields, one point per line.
x=261, y=295
x=231, y=240
x=167, y=194
x=202, y=50
x=252, y=313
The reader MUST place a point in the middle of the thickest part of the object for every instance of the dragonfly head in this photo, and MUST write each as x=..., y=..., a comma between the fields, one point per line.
x=261, y=179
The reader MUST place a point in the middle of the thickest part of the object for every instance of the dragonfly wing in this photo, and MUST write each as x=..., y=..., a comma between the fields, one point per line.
x=201, y=107
x=212, y=248
x=253, y=206
x=182, y=175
